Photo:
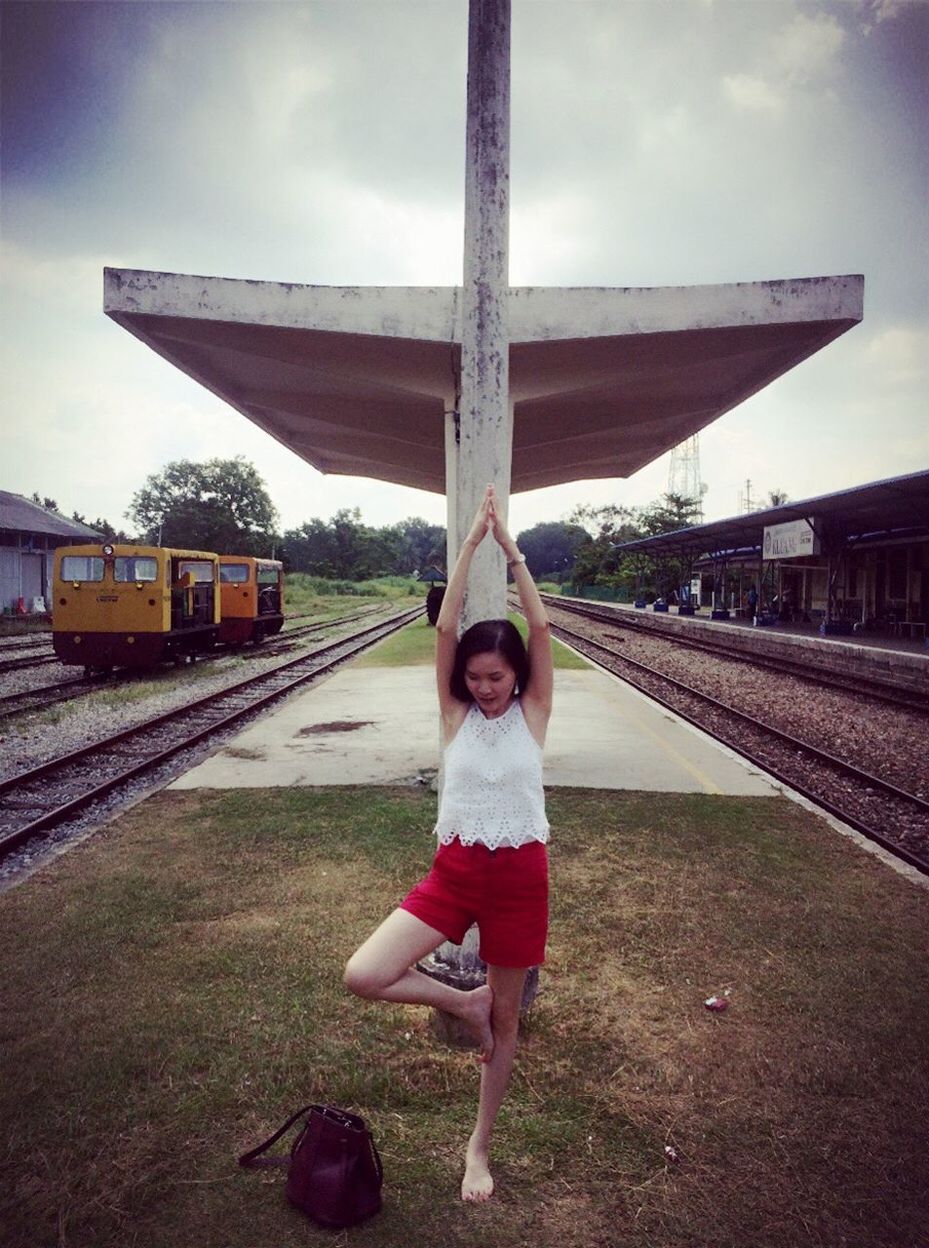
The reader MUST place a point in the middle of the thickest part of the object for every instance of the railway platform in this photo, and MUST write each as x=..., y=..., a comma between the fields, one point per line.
x=379, y=725
x=902, y=662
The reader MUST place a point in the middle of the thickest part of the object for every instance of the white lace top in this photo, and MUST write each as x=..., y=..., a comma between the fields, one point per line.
x=492, y=794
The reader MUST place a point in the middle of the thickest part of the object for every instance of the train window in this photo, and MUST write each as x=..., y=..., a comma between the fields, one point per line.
x=233, y=573
x=81, y=568
x=267, y=576
x=200, y=569
x=128, y=568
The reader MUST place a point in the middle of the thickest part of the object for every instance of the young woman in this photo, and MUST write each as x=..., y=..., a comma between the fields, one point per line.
x=491, y=866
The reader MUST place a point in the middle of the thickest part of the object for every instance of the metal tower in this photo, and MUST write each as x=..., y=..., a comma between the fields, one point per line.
x=684, y=474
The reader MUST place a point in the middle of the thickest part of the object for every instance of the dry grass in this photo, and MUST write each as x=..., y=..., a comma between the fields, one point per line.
x=172, y=990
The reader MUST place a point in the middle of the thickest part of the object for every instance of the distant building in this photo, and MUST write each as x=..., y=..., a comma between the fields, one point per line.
x=29, y=535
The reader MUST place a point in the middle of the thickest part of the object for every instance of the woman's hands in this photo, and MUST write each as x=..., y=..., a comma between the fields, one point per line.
x=498, y=526
x=482, y=519
x=489, y=518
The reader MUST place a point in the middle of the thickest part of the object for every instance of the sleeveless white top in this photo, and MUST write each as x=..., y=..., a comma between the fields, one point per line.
x=492, y=793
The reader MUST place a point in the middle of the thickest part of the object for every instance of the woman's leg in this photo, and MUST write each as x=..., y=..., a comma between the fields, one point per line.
x=507, y=984
x=382, y=970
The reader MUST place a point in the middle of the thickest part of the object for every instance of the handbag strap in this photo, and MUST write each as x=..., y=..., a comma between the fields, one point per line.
x=251, y=1158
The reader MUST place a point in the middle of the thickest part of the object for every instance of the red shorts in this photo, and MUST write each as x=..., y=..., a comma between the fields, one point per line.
x=504, y=891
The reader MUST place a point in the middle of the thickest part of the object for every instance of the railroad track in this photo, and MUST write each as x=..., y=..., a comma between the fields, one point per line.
x=865, y=801
x=28, y=701
x=26, y=641
x=717, y=647
x=38, y=698
x=37, y=800
x=28, y=660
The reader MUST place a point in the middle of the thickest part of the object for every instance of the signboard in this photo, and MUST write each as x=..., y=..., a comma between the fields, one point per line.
x=695, y=591
x=792, y=540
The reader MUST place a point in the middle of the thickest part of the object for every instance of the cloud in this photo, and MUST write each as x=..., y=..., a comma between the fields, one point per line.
x=748, y=93
x=807, y=49
x=803, y=54
x=877, y=11
x=899, y=357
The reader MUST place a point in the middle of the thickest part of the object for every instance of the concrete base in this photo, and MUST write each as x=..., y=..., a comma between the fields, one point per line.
x=380, y=726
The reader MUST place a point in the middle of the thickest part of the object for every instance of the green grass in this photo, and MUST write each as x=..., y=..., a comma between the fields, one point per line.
x=317, y=595
x=172, y=990
x=416, y=644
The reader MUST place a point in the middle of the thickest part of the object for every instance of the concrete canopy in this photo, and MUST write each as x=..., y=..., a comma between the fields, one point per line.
x=357, y=380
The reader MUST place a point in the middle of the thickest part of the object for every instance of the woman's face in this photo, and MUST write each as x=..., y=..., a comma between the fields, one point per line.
x=491, y=682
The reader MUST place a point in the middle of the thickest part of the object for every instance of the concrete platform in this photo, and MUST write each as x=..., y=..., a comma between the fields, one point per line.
x=380, y=726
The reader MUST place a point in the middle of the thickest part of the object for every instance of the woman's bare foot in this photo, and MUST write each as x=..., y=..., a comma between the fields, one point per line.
x=477, y=1184
x=476, y=1011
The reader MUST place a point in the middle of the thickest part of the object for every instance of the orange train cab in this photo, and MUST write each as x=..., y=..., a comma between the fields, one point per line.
x=252, y=598
x=133, y=606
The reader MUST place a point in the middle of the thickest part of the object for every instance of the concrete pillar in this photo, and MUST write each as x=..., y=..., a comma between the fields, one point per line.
x=485, y=430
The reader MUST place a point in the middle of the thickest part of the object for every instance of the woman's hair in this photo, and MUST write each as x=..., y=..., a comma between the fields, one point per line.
x=483, y=638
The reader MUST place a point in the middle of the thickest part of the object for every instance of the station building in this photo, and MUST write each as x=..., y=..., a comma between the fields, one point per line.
x=29, y=535
x=856, y=561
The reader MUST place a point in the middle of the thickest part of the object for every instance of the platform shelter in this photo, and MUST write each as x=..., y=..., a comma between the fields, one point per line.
x=855, y=560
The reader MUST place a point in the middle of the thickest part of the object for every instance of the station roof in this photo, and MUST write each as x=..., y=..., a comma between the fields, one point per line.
x=357, y=380
x=896, y=506
x=22, y=515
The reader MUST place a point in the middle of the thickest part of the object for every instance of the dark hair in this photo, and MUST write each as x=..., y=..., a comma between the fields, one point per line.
x=483, y=638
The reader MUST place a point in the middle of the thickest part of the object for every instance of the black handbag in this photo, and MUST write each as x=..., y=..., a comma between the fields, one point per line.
x=334, y=1169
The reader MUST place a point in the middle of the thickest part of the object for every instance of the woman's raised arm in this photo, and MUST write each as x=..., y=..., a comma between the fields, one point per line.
x=537, y=697
x=446, y=627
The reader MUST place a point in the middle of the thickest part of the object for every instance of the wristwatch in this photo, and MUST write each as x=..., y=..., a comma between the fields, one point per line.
x=519, y=558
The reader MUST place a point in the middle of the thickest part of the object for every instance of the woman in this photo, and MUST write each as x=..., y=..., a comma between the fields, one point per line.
x=491, y=865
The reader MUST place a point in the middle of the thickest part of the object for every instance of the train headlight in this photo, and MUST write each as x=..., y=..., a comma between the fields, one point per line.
x=108, y=550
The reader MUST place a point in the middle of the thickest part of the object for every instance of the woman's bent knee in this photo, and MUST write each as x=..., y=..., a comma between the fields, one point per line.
x=355, y=979
x=362, y=979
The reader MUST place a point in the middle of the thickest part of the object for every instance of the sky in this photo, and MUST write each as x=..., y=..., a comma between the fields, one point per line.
x=653, y=143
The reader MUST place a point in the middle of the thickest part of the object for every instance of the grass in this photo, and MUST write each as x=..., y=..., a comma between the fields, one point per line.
x=172, y=991
x=317, y=595
x=416, y=644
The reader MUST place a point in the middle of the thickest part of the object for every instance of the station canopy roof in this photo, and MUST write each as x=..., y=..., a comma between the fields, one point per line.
x=898, y=506
x=357, y=380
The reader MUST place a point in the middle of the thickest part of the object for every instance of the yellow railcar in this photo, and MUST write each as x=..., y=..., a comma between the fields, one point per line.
x=252, y=598
x=133, y=606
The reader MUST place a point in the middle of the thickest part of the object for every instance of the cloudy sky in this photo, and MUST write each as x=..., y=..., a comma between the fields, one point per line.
x=654, y=142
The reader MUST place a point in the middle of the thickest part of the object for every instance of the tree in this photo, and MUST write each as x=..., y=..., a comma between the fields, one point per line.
x=550, y=547
x=599, y=562
x=416, y=545
x=348, y=549
x=595, y=562
x=221, y=505
x=343, y=547
x=667, y=514
x=777, y=498
x=103, y=527
x=48, y=503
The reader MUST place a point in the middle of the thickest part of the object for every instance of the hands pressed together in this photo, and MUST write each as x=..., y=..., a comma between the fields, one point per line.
x=489, y=518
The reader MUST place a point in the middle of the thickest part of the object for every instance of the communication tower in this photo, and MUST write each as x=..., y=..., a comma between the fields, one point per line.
x=684, y=474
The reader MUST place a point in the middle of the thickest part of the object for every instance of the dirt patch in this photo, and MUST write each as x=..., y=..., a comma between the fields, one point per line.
x=241, y=751
x=337, y=725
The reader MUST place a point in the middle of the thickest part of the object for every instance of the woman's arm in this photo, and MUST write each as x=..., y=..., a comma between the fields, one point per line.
x=446, y=627
x=537, y=696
